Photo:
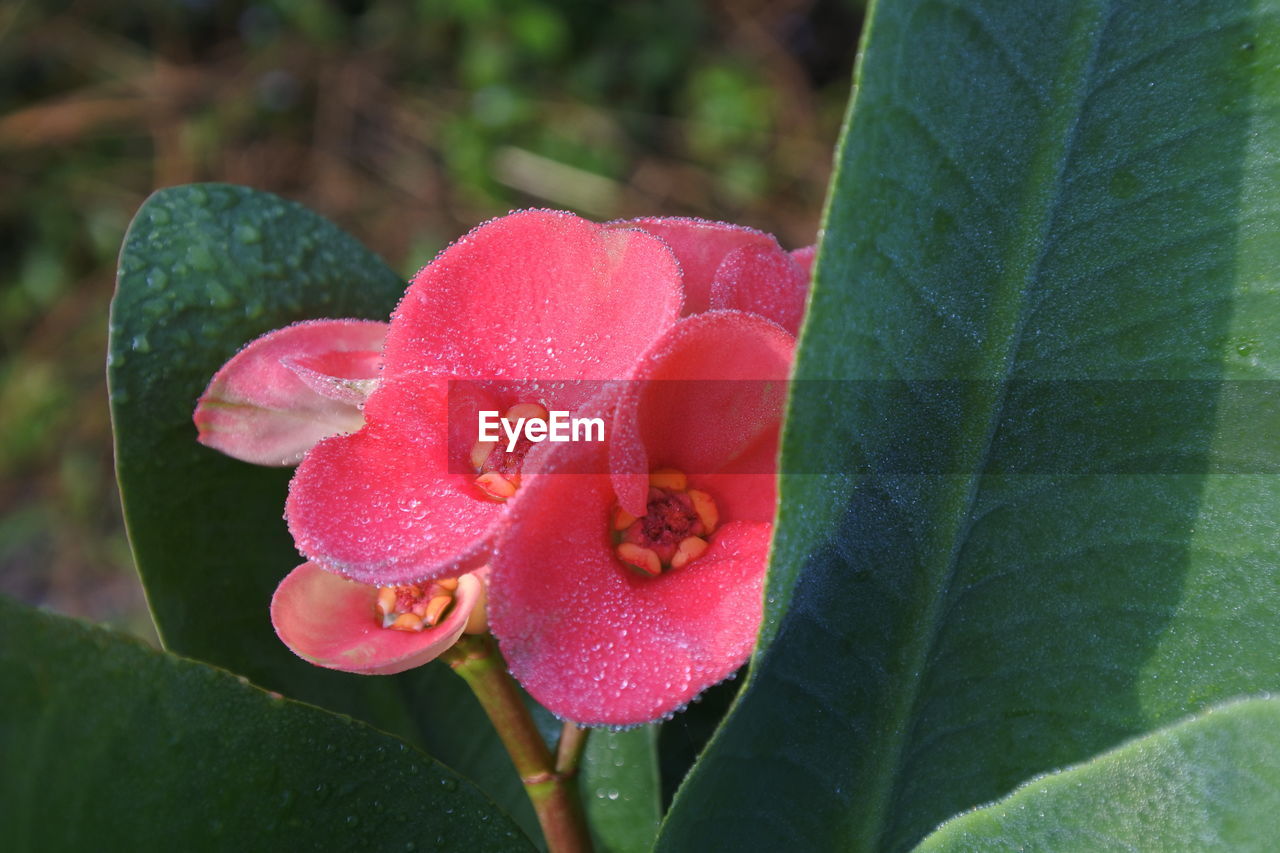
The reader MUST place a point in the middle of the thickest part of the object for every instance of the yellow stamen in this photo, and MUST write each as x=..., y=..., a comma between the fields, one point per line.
x=478, y=621
x=644, y=559
x=688, y=550
x=669, y=478
x=480, y=453
x=407, y=622
x=705, y=506
x=528, y=411
x=675, y=530
x=414, y=607
x=436, y=608
x=622, y=519
x=495, y=485
x=386, y=601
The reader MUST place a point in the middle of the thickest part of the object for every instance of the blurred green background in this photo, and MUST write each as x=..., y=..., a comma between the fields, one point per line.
x=405, y=122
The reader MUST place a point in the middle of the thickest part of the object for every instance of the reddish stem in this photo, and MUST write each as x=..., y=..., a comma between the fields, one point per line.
x=551, y=789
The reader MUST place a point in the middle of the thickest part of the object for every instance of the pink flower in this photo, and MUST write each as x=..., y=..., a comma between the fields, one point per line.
x=400, y=512
x=617, y=599
x=541, y=298
x=290, y=388
x=730, y=266
x=340, y=624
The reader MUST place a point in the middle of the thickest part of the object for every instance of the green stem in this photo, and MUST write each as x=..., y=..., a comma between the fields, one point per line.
x=573, y=741
x=552, y=791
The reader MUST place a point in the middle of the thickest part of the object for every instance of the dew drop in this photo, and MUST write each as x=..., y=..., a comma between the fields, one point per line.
x=219, y=296
x=201, y=258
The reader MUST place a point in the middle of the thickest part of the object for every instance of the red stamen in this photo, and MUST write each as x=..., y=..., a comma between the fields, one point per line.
x=674, y=529
x=498, y=467
x=414, y=607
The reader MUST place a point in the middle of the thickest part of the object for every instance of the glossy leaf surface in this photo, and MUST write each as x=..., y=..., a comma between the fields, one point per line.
x=107, y=744
x=1210, y=783
x=1028, y=505
x=204, y=270
x=620, y=788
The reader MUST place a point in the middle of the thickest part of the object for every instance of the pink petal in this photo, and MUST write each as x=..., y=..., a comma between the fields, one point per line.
x=708, y=395
x=348, y=377
x=701, y=246
x=804, y=259
x=537, y=294
x=259, y=409
x=748, y=496
x=763, y=280
x=384, y=505
x=594, y=641
x=333, y=623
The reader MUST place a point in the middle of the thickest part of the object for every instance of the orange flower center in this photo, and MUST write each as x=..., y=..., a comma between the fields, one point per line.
x=674, y=529
x=415, y=607
x=499, y=468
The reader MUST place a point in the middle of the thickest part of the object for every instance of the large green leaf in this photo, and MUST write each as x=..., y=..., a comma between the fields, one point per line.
x=1209, y=783
x=204, y=270
x=106, y=744
x=983, y=571
x=621, y=792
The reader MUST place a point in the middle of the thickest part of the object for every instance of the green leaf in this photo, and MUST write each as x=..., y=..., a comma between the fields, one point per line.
x=204, y=270
x=1209, y=783
x=107, y=744
x=618, y=781
x=620, y=788
x=1028, y=506
x=682, y=738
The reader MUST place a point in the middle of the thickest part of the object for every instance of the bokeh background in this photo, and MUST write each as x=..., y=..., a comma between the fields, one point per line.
x=405, y=122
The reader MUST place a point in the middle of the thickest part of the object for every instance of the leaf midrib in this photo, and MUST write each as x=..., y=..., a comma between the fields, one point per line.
x=1025, y=253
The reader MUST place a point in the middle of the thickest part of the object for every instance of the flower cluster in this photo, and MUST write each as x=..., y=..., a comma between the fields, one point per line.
x=620, y=578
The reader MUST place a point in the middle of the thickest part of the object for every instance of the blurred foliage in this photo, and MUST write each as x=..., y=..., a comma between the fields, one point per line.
x=407, y=123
